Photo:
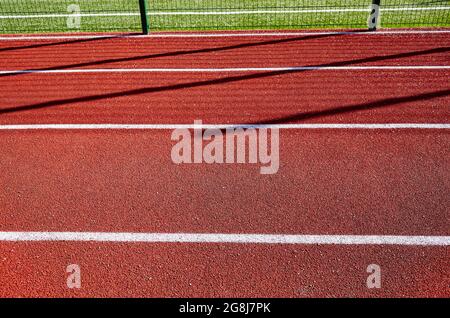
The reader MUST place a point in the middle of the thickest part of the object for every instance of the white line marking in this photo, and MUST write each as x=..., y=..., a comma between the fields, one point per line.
x=228, y=70
x=252, y=12
x=414, y=9
x=241, y=12
x=226, y=238
x=217, y=126
x=67, y=15
x=219, y=35
x=72, y=37
x=282, y=34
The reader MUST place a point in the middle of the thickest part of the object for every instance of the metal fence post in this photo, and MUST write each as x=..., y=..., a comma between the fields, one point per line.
x=144, y=16
x=374, y=15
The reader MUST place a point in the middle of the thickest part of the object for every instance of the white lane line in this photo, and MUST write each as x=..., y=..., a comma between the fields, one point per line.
x=304, y=33
x=221, y=34
x=72, y=37
x=226, y=238
x=218, y=126
x=229, y=12
x=227, y=70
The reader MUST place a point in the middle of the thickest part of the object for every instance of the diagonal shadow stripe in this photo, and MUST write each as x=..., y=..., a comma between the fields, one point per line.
x=175, y=53
x=219, y=81
x=386, y=102
x=41, y=45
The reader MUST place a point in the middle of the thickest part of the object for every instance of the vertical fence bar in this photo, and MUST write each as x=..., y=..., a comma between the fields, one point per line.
x=374, y=15
x=144, y=16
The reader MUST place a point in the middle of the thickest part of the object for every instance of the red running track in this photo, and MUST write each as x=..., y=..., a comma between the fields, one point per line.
x=329, y=182
x=220, y=270
x=304, y=97
x=254, y=51
x=254, y=97
x=359, y=182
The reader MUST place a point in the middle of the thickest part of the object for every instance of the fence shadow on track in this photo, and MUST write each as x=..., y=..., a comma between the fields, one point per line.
x=176, y=53
x=260, y=75
x=386, y=102
x=69, y=42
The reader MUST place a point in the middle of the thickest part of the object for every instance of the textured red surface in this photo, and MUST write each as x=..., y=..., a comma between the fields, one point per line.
x=324, y=96
x=329, y=182
x=217, y=270
x=304, y=50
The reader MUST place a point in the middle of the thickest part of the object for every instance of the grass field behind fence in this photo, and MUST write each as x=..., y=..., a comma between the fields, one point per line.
x=39, y=16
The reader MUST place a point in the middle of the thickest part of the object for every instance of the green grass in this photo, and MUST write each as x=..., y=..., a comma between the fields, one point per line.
x=131, y=23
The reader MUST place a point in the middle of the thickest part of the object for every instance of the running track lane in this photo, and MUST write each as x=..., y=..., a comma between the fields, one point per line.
x=381, y=182
x=330, y=182
x=277, y=51
x=220, y=270
x=227, y=97
x=337, y=96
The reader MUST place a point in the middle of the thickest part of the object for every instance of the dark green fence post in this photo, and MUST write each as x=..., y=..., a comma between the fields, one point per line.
x=374, y=15
x=144, y=16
